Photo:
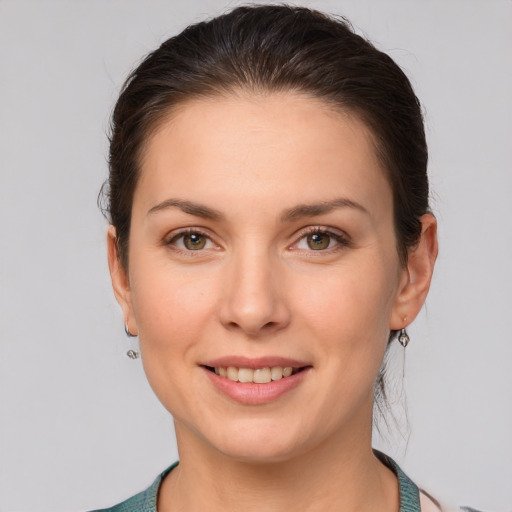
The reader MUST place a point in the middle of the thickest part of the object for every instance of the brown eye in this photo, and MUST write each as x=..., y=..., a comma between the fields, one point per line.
x=318, y=241
x=194, y=241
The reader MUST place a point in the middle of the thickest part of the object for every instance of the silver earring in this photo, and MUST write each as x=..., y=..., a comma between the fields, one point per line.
x=403, y=338
x=128, y=333
x=132, y=354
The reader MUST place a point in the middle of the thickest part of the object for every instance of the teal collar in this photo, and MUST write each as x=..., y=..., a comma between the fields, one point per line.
x=409, y=492
x=146, y=500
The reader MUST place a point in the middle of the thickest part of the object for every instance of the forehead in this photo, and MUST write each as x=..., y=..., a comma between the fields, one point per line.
x=288, y=146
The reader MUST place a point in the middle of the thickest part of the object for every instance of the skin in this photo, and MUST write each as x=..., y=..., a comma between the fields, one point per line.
x=257, y=288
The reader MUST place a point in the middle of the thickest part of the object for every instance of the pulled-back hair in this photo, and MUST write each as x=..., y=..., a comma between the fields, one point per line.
x=266, y=49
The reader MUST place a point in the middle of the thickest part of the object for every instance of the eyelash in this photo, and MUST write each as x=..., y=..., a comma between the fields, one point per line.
x=341, y=240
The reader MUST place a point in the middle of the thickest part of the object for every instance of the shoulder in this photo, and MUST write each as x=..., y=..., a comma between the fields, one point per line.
x=412, y=498
x=430, y=504
x=144, y=501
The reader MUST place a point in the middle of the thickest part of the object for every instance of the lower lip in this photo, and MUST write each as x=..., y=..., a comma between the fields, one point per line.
x=249, y=393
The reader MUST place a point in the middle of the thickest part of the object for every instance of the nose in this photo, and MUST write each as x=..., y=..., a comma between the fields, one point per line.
x=254, y=300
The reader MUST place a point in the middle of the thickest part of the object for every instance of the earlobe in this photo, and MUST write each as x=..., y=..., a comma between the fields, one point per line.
x=120, y=281
x=417, y=275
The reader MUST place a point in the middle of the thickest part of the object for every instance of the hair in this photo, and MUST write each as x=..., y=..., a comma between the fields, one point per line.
x=270, y=49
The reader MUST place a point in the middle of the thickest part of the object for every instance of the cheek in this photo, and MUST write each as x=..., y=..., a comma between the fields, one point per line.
x=354, y=300
x=173, y=312
x=348, y=318
x=171, y=307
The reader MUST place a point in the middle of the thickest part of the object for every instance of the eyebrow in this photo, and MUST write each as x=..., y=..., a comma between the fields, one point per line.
x=292, y=214
x=198, y=210
x=315, y=209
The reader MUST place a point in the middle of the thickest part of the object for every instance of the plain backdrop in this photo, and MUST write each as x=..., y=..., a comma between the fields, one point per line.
x=79, y=426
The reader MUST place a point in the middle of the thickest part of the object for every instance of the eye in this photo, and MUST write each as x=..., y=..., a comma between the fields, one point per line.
x=320, y=240
x=191, y=241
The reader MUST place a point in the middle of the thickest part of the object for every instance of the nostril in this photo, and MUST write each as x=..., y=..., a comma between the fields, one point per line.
x=254, y=329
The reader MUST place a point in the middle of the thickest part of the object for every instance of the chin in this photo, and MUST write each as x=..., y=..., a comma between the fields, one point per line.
x=259, y=454
x=259, y=444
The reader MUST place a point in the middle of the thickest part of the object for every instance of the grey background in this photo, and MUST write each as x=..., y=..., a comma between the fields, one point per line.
x=79, y=426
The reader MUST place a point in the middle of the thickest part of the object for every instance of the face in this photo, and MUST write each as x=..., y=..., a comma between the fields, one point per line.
x=262, y=243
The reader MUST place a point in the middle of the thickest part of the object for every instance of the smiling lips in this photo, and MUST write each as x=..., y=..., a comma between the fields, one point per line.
x=255, y=381
x=255, y=375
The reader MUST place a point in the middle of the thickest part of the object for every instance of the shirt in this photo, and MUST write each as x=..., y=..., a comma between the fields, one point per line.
x=411, y=500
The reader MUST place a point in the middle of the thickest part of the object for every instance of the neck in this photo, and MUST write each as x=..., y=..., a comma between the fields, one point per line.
x=342, y=477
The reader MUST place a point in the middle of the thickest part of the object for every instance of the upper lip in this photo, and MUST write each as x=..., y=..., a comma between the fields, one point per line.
x=256, y=362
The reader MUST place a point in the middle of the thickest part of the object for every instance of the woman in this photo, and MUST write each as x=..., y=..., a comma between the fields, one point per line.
x=270, y=237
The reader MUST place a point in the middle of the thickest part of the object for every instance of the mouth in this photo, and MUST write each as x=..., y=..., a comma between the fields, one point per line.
x=262, y=375
x=256, y=381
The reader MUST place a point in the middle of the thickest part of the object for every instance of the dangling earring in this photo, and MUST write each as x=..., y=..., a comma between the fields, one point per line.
x=403, y=338
x=132, y=354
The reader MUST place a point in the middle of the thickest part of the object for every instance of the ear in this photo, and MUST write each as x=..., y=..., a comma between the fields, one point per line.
x=120, y=281
x=416, y=276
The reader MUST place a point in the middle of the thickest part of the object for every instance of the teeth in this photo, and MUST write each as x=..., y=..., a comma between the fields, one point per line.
x=245, y=375
x=262, y=376
x=232, y=373
x=257, y=376
x=276, y=372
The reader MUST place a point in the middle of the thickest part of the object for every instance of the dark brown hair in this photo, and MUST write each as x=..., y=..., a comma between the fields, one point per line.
x=274, y=48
